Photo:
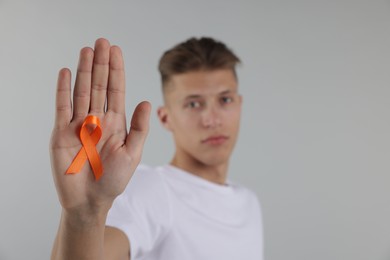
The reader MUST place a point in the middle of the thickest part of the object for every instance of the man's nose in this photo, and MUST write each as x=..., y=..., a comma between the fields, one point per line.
x=211, y=117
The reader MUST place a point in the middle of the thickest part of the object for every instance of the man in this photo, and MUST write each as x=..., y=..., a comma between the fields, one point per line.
x=187, y=209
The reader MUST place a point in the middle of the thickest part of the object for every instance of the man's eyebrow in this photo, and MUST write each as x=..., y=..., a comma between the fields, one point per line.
x=227, y=92
x=195, y=96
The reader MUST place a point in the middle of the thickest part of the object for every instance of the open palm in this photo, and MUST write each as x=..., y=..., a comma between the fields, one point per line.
x=99, y=90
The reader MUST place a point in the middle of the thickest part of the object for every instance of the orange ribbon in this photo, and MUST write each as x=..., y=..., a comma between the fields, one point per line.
x=88, y=150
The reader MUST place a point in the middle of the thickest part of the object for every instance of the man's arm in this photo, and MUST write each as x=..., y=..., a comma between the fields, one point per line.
x=99, y=90
x=116, y=244
x=86, y=241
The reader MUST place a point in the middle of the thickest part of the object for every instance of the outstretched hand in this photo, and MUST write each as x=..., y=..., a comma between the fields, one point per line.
x=100, y=91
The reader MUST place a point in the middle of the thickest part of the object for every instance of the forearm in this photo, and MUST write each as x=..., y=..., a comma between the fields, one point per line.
x=80, y=236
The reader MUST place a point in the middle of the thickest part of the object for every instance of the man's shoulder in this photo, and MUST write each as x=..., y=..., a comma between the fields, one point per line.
x=145, y=179
x=144, y=168
x=245, y=192
x=241, y=188
x=144, y=197
x=147, y=173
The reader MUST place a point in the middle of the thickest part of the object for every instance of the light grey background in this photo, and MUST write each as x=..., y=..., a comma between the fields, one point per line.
x=314, y=142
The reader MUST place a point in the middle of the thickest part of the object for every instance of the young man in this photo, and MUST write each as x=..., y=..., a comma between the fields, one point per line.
x=187, y=209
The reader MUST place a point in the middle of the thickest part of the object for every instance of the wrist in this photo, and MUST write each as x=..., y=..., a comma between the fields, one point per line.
x=85, y=216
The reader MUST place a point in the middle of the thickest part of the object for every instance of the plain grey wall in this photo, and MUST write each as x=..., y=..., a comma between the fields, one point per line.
x=314, y=142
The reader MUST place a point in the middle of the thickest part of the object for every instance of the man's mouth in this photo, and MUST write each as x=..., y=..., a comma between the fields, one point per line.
x=215, y=139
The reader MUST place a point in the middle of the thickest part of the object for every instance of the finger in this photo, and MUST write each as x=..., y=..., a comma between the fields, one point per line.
x=63, y=109
x=100, y=72
x=138, y=130
x=82, y=89
x=116, y=82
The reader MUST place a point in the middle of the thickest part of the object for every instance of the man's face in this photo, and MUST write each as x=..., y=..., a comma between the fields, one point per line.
x=202, y=110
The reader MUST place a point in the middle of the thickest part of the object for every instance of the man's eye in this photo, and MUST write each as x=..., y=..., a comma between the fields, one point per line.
x=226, y=100
x=194, y=104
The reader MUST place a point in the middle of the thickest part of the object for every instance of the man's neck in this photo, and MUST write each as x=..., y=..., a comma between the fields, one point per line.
x=213, y=173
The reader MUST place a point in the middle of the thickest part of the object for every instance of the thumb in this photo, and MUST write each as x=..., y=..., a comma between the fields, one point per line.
x=139, y=128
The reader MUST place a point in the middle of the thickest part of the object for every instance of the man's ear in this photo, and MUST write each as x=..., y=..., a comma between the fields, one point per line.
x=162, y=113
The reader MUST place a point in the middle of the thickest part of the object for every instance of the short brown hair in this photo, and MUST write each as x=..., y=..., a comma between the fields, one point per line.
x=196, y=54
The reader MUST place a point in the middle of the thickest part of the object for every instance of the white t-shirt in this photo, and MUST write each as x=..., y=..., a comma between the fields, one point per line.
x=170, y=214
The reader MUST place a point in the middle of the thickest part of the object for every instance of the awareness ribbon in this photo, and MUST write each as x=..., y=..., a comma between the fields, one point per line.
x=88, y=150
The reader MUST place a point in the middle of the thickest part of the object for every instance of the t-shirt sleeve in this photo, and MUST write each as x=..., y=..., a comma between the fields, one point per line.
x=142, y=211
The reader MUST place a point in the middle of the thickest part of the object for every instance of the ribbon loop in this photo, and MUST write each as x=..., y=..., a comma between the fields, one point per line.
x=88, y=150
